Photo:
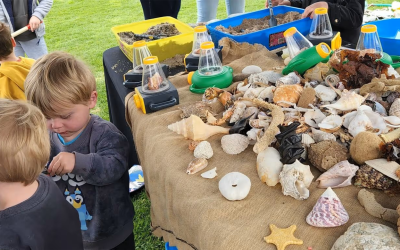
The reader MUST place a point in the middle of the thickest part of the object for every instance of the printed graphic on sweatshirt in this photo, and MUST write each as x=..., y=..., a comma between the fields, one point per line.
x=76, y=200
x=73, y=180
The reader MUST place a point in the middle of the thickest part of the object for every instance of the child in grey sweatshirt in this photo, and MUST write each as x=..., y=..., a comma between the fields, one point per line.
x=88, y=159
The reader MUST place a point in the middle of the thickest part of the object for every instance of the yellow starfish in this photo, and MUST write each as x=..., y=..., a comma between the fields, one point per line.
x=281, y=237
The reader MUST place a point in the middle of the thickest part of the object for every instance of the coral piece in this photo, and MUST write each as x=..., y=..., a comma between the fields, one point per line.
x=325, y=94
x=269, y=166
x=282, y=237
x=367, y=200
x=200, y=109
x=395, y=108
x=234, y=144
x=196, y=165
x=328, y=211
x=224, y=97
x=324, y=155
x=364, y=147
x=234, y=186
x=339, y=175
x=368, y=177
x=217, y=122
x=343, y=136
x=194, y=128
x=295, y=179
x=193, y=145
x=287, y=93
x=348, y=101
x=239, y=109
x=307, y=97
x=368, y=236
x=269, y=135
x=290, y=147
x=210, y=174
x=203, y=150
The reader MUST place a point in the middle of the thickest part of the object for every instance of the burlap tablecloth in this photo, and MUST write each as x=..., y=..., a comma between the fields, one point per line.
x=189, y=211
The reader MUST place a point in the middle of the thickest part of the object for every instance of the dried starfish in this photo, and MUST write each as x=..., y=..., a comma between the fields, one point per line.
x=282, y=237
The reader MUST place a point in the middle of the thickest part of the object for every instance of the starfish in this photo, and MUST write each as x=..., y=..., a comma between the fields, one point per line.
x=281, y=237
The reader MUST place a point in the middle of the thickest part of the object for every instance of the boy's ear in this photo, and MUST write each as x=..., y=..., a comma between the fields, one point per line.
x=93, y=99
x=13, y=42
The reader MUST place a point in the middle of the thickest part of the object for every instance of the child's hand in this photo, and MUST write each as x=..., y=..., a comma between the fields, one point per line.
x=309, y=11
x=61, y=164
x=34, y=22
x=278, y=2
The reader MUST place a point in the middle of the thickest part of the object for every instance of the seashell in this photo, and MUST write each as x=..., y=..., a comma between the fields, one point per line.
x=392, y=121
x=320, y=136
x=287, y=93
x=242, y=87
x=328, y=211
x=251, y=112
x=331, y=123
x=195, y=129
x=254, y=133
x=314, y=117
x=234, y=144
x=324, y=155
x=307, y=97
x=388, y=168
x=348, y=101
x=395, y=108
x=203, y=150
x=193, y=145
x=325, y=94
x=317, y=72
x=267, y=94
x=371, y=236
x=289, y=79
x=240, y=107
x=333, y=80
x=362, y=120
x=251, y=69
x=391, y=96
x=295, y=179
x=269, y=166
x=380, y=109
x=307, y=139
x=253, y=92
x=259, y=123
x=264, y=77
x=196, y=165
x=359, y=123
x=368, y=177
x=210, y=173
x=339, y=175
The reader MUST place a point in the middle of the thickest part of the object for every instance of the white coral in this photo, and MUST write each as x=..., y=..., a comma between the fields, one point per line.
x=203, y=150
x=234, y=144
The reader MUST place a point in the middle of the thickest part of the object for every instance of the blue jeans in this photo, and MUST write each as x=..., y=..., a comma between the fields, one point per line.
x=207, y=9
x=34, y=48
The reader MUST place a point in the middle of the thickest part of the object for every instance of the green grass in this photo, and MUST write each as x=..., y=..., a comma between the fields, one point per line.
x=82, y=28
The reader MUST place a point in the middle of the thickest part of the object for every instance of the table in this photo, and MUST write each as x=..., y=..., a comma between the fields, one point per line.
x=189, y=212
x=116, y=64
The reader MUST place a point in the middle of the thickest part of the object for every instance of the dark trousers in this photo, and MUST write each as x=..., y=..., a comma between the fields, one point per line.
x=128, y=244
x=160, y=8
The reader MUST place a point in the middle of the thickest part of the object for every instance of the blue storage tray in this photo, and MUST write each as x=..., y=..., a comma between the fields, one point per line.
x=389, y=34
x=262, y=36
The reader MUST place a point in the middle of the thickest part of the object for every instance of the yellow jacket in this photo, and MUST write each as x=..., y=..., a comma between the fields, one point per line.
x=12, y=78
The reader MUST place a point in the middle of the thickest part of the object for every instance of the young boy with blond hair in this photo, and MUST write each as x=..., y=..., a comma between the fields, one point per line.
x=88, y=159
x=13, y=69
x=33, y=213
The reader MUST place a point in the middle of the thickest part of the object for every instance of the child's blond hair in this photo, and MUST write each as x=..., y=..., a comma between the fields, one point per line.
x=58, y=80
x=24, y=142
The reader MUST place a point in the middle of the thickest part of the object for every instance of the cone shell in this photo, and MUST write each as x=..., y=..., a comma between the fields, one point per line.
x=287, y=93
x=196, y=165
x=328, y=211
x=195, y=129
x=339, y=175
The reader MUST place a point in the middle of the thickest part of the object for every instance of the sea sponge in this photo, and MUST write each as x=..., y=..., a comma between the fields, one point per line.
x=365, y=147
x=307, y=97
x=324, y=155
x=367, y=200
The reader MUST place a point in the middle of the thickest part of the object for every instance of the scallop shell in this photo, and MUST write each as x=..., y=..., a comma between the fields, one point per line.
x=325, y=94
x=313, y=117
x=349, y=101
x=328, y=211
x=295, y=179
x=395, y=108
x=196, y=165
x=287, y=93
x=307, y=139
x=339, y=175
x=331, y=123
x=234, y=144
x=319, y=136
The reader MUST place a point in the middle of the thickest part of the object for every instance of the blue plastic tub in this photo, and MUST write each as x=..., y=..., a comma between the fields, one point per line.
x=272, y=38
x=168, y=247
x=389, y=34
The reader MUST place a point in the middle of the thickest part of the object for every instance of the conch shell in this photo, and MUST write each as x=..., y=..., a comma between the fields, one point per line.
x=339, y=175
x=349, y=101
x=195, y=129
x=295, y=179
x=287, y=93
x=328, y=211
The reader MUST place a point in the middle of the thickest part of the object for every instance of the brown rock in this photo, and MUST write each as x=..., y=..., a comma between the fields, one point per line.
x=365, y=147
x=324, y=155
x=307, y=97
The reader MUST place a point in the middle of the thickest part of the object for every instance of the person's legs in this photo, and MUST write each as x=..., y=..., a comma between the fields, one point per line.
x=128, y=244
x=164, y=8
x=234, y=6
x=18, y=50
x=146, y=8
x=206, y=10
x=34, y=48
